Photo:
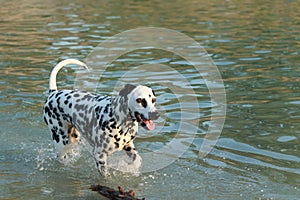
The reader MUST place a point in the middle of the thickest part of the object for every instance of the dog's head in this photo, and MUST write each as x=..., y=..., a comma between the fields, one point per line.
x=141, y=103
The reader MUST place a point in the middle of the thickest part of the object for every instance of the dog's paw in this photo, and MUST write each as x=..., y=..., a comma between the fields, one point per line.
x=134, y=164
x=126, y=164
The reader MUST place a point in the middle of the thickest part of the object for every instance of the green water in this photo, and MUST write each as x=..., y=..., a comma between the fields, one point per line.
x=255, y=46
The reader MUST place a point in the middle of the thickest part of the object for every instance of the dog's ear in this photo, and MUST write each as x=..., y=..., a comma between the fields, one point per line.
x=127, y=89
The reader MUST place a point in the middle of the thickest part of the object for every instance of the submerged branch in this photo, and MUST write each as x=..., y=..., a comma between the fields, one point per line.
x=114, y=194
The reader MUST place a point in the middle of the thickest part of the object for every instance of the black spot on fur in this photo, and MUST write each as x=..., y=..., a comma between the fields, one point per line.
x=101, y=120
x=59, y=93
x=52, y=94
x=45, y=120
x=126, y=132
x=87, y=97
x=113, y=126
x=127, y=148
x=55, y=110
x=74, y=118
x=105, y=145
x=104, y=125
x=61, y=132
x=110, y=113
x=81, y=115
x=102, y=162
x=100, y=98
x=50, y=105
x=116, y=138
x=74, y=134
x=133, y=157
x=61, y=109
x=127, y=89
x=131, y=131
x=106, y=108
x=153, y=92
x=55, y=136
x=79, y=107
x=47, y=111
x=90, y=110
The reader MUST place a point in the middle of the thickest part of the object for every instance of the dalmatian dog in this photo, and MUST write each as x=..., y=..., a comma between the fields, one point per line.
x=108, y=124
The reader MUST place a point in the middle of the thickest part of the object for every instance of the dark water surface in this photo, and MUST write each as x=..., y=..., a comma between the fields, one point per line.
x=256, y=46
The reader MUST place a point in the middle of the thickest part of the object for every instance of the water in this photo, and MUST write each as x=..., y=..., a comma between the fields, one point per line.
x=256, y=48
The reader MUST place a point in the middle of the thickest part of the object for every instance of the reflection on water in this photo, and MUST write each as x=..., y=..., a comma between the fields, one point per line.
x=256, y=47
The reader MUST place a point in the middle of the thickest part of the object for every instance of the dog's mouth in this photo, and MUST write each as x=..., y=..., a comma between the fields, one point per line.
x=144, y=122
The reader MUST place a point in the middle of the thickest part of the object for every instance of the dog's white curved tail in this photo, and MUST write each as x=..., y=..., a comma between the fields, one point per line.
x=52, y=82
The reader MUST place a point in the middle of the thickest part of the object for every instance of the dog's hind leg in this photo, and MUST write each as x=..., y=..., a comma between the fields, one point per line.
x=63, y=136
x=58, y=133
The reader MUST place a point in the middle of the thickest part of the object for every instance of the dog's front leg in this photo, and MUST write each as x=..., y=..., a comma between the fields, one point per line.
x=101, y=162
x=135, y=158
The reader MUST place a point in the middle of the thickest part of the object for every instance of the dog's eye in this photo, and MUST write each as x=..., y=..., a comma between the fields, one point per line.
x=139, y=100
x=153, y=100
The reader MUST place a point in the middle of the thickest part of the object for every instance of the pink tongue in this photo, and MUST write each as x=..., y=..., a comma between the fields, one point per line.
x=149, y=124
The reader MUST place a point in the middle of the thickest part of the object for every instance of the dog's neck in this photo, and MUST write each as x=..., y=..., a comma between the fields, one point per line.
x=120, y=106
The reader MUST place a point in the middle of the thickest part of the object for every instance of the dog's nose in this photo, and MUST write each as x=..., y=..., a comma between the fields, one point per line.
x=153, y=115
